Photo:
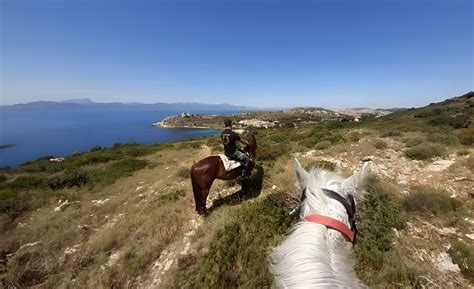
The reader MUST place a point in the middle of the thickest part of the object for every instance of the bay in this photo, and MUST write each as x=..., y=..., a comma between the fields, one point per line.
x=35, y=134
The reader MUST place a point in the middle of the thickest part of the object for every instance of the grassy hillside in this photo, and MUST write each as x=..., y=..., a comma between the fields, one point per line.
x=124, y=216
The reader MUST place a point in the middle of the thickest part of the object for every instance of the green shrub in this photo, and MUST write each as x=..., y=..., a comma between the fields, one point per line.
x=355, y=136
x=41, y=165
x=69, y=179
x=463, y=255
x=379, y=213
x=322, y=145
x=5, y=221
x=237, y=257
x=428, y=200
x=135, y=264
x=380, y=145
x=402, y=274
x=14, y=203
x=26, y=183
x=3, y=178
x=115, y=171
x=96, y=148
x=117, y=152
x=93, y=158
x=414, y=141
x=425, y=151
x=172, y=196
x=230, y=183
x=278, y=138
x=190, y=144
x=446, y=137
x=322, y=164
x=319, y=134
x=466, y=136
x=213, y=141
x=460, y=121
x=391, y=133
x=268, y=152
x=463, y=152
x=183, y=173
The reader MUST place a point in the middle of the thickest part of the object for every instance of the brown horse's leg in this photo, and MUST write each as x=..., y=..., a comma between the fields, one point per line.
x=197, y=191
x=200, y=191
x=203, y=211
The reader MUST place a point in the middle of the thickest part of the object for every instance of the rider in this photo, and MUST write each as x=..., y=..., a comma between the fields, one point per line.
x=229, y=138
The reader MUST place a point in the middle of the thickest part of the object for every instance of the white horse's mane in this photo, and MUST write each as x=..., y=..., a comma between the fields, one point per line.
x=313, y=256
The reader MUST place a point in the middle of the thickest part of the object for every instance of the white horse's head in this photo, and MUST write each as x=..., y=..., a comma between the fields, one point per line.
x=316, y=253
x=313, y=183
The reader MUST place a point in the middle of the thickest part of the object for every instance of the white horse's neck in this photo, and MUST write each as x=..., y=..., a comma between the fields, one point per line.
x=313, y=256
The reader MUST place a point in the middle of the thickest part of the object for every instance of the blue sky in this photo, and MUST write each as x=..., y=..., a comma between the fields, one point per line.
x=259, y=53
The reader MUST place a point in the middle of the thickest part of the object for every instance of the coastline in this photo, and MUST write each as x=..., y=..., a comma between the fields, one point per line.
x=63, y=133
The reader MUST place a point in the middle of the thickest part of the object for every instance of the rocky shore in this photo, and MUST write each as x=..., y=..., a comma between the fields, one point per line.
x=269, y=119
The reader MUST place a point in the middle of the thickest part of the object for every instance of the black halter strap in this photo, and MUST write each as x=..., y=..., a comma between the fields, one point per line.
x=349, y=205
x=350, y=208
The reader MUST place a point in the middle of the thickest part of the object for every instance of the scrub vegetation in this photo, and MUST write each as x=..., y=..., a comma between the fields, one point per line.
x=124, y=216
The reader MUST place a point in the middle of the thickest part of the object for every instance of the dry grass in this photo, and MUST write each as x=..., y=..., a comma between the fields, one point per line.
x=138, y=215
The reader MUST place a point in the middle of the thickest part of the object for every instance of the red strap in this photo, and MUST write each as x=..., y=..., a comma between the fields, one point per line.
x=331, y=223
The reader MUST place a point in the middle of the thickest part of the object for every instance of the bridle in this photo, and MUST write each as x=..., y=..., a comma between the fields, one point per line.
x=350, y=233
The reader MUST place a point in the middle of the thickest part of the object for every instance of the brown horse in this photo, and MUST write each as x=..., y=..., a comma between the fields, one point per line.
x=205, y=171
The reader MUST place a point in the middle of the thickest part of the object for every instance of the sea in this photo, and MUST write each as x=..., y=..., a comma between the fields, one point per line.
x=35, y=134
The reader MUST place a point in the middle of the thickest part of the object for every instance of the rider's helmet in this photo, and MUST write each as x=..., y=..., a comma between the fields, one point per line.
x=227, y=122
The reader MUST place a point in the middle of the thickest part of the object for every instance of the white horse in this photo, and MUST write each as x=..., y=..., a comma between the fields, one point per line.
x=318, y=251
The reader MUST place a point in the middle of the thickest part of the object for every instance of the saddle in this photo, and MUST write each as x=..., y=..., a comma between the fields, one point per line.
x=228, y=163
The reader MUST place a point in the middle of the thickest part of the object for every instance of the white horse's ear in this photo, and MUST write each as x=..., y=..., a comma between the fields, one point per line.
x=357, y=183
x=301, y=174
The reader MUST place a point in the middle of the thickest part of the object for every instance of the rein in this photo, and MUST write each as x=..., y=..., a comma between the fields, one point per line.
x=349, y=233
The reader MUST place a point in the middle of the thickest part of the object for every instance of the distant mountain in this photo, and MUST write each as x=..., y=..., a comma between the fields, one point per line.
x=79, y=101
x=86, y=104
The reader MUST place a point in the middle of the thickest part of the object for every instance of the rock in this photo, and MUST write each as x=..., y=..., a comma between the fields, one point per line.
x=57, y=160
x=446, y=231
x=61, y=206
x=403, y=182
x=470, y=236
x=440, y=165
x=274, y=187
x=23, y=248
x=113, y=258
x=469, y=220
x=100, y=202
x=141, y=195
x=72, y=250
x=367, y=158
x=258, y=123
x=444, y=263
x=84, y=227
x=397, y=234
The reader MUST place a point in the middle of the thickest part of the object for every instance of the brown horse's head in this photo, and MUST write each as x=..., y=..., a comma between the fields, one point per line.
x=252, y=146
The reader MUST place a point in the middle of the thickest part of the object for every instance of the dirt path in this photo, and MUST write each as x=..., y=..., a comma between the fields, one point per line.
x=181, y=247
